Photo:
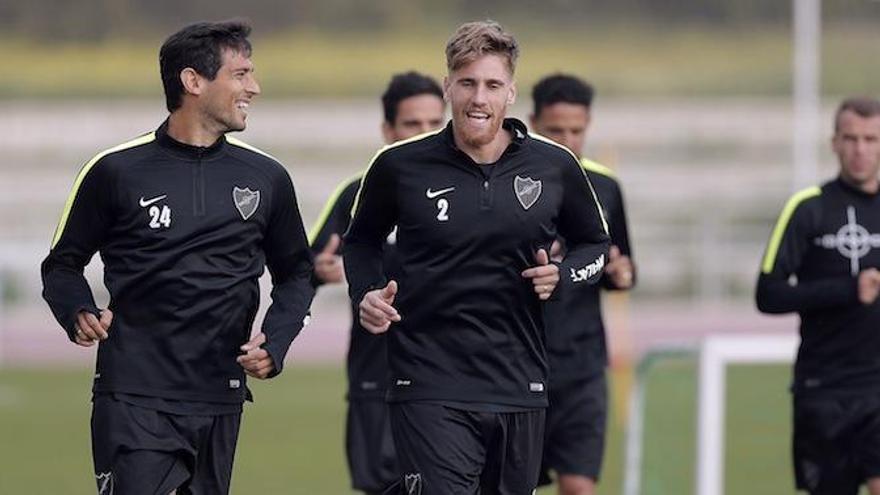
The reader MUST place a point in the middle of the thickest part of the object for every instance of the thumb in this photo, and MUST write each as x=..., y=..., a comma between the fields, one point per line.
x=541, y=257
x=390, y=290
x=106, y=319
x=613, y=253
x=332, y=245
x=256, y=341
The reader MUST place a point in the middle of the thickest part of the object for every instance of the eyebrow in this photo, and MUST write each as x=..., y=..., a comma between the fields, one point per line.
x=487, y=81
x=243, y=69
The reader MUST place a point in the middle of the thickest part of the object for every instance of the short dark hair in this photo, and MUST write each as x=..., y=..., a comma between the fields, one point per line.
x=561, y=88
x=406, y=85
x=863, y=106
x=199, y=46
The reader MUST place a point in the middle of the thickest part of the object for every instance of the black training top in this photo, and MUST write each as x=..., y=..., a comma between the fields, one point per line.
x=575, y=332
x=184, y=233
x=472, y=329
x=824, y=238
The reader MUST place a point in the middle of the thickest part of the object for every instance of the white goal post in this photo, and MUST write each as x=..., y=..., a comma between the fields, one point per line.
x=715, y=354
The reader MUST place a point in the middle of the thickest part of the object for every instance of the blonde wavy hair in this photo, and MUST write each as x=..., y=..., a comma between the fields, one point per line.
x=475, y=39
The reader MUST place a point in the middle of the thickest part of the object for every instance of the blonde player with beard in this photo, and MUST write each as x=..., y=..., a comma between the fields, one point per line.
x=477, y=206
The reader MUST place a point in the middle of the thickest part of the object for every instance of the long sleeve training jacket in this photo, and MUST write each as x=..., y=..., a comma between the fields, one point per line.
x=472, y=328
x=184, y=233
x=824, y=238
x=576, y=344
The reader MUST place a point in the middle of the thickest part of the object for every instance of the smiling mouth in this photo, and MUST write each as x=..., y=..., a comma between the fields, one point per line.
x=477, y=116
x=243, y=105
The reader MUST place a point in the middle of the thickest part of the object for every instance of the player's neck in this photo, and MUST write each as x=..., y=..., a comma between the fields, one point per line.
x=486, y=153
x=185, y=126
x=871, y=186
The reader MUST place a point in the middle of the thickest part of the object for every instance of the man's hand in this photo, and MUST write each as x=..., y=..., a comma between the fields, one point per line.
x=328, y=264
x=544, y=276
x=556, y=251
x=89, y=329
x=619, y=269
x=376, y=310
x=869, y=286
x=256, y=361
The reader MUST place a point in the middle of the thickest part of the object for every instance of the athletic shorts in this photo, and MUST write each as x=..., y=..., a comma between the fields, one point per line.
x=836, y=443
x=141, y=451
x=449, y=451
x=369, y=446
x=575, y=433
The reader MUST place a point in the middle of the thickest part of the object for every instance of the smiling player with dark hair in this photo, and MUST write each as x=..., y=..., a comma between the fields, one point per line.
x=185, y=220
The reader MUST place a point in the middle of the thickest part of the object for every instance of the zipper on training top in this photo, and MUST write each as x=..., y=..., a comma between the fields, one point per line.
x=199, y=187
x=486, y=186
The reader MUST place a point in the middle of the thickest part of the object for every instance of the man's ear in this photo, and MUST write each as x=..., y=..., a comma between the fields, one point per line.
x=192, y=82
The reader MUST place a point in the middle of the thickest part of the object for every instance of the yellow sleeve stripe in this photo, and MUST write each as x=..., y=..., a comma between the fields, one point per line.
x=328, y=206
x=593, y=191
x=65, y=214
x=782, y=223
x=597, y=168
x=241, y=144
x=383, y=149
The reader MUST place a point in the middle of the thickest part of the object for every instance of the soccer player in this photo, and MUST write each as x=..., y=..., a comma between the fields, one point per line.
x=576, y=418
x=821, y=262
x=185, y=219
x=413, y=104
x=477, y=206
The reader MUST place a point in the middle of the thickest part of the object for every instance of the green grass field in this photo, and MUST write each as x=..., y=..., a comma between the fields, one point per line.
x=292, y=437
x=632, y=60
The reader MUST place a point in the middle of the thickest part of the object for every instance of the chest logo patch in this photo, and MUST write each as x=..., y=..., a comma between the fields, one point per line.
x=246, y=201
x=412, y=483
x=105, y=483
x=527, y=191
x=852, y=241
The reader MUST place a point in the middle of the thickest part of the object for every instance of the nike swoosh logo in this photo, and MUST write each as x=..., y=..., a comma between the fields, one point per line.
x=433, y=194
x=147, y=202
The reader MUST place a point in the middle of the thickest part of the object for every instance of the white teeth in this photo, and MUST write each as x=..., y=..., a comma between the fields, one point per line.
x=243, y=105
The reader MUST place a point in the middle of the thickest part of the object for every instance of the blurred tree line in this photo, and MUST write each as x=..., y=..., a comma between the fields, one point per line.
x=98, y=20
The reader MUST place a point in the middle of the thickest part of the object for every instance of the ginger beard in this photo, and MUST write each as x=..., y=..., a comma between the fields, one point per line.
x=479, y=93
